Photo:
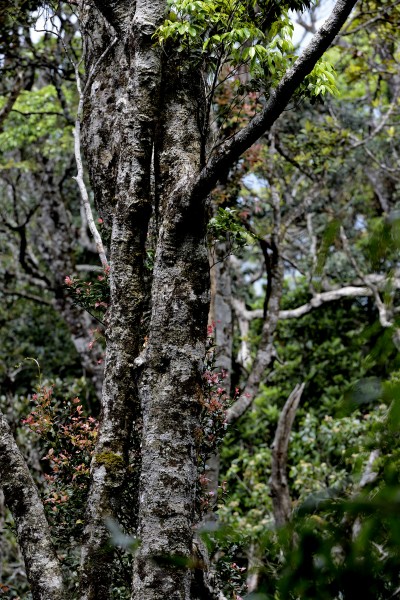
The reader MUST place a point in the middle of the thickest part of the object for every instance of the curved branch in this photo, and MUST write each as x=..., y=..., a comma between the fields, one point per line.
x=278, y=481
x=231, y=150
x=349, y=291
x=22, y=498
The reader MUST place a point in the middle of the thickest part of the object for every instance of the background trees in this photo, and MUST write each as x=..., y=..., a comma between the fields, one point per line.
x=320, y=168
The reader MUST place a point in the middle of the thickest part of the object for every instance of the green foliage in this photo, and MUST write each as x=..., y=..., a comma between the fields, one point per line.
x=235, y=33
x=226, y=227
x=36, y=119
x=93, y=295
x=68, y=438
x=28, y=330
x=343, y=541
x=64, y=438
x=327, y=452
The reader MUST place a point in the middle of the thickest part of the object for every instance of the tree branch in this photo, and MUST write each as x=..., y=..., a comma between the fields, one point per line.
x=266, y=352
x=12, y=98
x=22, y=498
x=349, y=291
x=78, y=157
x=231, y=150
x=281, y=501
x=382, y=309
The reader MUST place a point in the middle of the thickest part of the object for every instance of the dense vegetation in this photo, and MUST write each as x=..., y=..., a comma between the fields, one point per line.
x=303, y=238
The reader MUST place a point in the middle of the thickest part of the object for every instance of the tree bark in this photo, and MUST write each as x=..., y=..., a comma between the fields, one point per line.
x=153, y=373
x=123, y=194
x=171, y=366
x=220, y=316
x=33, y=533
x=281, y=501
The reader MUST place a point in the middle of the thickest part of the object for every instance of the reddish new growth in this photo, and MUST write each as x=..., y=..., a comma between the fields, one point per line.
x=92, y=295
x=69, y=438
x=215, y=402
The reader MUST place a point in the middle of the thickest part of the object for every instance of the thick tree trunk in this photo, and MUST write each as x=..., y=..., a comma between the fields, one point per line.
x=171, y=366
x=130, y=77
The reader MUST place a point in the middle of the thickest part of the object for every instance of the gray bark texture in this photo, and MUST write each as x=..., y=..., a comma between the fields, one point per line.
x=33, y=533
x=142, y=119
x=221, y=315
x=120, y=112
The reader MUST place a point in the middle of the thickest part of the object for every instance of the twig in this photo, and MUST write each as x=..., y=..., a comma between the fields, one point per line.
x=382, y=310
x=78, y=157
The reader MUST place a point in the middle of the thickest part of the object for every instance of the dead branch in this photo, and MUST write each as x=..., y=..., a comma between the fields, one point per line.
x=78, y=156
x=282, y=504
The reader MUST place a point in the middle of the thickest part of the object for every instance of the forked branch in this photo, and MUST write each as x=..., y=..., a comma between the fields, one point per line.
x=279, y=98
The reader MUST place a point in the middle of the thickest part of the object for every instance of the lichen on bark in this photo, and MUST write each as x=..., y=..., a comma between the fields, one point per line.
x=33, y=532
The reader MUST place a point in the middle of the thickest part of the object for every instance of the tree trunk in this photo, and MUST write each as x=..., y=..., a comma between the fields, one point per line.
x=32, y=529
x=170, y=382
x=222, y=317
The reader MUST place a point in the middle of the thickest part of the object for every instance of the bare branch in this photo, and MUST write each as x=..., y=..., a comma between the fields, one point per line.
x=368, y=476
x=266, y=352
x=243, y=356
x=78, y=156
x=22, y=498
x=320, y=299
x=349, y=291
x=382, y=15
x=379, y=126
x=282, y=504
x=380, y=305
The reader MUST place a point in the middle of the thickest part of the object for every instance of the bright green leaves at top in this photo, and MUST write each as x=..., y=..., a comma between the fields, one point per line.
x=225, y=36
x=230, y=31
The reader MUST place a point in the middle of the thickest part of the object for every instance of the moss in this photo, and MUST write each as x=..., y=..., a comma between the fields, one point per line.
x=110, y=460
